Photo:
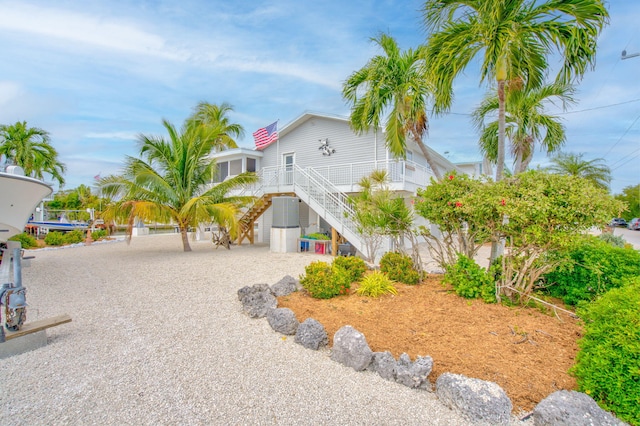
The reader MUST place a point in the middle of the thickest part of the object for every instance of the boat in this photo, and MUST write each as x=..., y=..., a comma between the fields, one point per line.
x=62, y=225
x=20, y=196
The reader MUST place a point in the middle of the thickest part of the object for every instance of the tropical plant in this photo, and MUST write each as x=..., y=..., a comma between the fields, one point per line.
x=30, y=148
x=573, y=165
x=393, y=83
x=170, y=182
x=26, y=241
x=526, y=123
x=352, y=264
x=608, y=363
x=376, y=284
x=513, y=39
x=379, y=212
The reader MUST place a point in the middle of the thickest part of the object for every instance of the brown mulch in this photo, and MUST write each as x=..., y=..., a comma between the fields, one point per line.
x=526, y=351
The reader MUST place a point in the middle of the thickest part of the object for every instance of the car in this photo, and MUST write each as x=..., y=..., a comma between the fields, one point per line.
x=634, y=224
x=618, y=221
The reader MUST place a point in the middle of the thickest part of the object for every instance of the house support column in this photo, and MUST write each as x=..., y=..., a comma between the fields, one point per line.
x=334, y=242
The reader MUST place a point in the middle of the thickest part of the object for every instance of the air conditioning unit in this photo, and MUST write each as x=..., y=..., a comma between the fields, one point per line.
x=286, y=212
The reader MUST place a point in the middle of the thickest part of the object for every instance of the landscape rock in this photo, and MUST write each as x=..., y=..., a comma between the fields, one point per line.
x=350, y=348
x=252, y=289
x=257, y=300
x=384, y=364
x=283, y=320
x=311, y=334
x=285, y=286
x=571, y=408
x=414, y=374
x=479, y=401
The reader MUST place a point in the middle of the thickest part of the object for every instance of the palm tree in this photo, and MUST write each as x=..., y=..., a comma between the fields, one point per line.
x=213, y=118
x=513, y=39
x=525, y=122
x=573, y=164
x=394, y=82
x=170, y=183
x=30, y=148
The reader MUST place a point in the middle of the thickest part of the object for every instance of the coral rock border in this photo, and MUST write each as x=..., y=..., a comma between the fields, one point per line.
x=480, y=401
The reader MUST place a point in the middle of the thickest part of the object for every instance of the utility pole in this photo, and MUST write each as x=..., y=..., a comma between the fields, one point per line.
x=632, y=55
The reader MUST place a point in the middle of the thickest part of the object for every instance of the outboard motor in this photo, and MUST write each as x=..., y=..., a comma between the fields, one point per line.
x=13, y=294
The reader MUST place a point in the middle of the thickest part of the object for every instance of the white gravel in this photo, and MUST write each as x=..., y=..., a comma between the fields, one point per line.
x=158, y=337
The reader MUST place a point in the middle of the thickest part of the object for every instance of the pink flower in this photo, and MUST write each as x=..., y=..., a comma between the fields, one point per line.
x=458, y=204
x=451, y=177
x=503, y=202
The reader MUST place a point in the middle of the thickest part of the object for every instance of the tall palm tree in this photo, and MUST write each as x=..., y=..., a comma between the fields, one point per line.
x=512, y=39
x=525, y=122
x=573, y=164
x=170, y=182
x=213, y=118
x=393, y=83
x=30, y=148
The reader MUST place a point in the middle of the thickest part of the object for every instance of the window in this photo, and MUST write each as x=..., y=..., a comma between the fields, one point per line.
x=251, y=164
x=235, y=167
x=223, y=171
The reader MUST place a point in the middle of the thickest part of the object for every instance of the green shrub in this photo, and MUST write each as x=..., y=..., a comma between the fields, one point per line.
x=74, y=237
x=318, y=281
x=354, y=265
x=593, y=268
x=608, y=363
x=98, y=234
x=26, y=241
x=341, y=279
x=376, y=284
x=470, y=280
x=614, y=240
x=399, y=267
x=54, y=238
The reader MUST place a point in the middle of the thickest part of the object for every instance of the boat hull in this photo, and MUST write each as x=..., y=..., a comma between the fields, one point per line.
x=19, y=196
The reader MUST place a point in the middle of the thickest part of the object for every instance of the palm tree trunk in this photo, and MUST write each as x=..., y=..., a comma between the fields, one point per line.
x=185, y=238
x=430, y=161
x=497, y=246
x=501, y=131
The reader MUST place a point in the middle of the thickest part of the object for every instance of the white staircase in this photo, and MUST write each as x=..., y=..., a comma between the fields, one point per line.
x=329, y=202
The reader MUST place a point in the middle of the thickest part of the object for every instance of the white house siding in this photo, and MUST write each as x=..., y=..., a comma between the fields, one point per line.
x=304, y=141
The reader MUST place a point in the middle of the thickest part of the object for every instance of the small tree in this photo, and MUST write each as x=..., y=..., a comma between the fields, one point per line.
x=544, y=211
x=458, y=205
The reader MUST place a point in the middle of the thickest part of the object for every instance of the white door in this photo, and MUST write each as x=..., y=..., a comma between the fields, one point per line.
x=288, y=160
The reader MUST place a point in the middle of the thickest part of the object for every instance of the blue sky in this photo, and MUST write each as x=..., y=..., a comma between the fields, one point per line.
x=97, y=73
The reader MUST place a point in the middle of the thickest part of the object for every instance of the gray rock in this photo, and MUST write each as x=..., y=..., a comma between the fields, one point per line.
x=252, y=289
x=414, y=374
x=571, y=408
x=311, y=334
x=257, y=300
x=479, y=401
x=384, y=364
x=350, y=348
x=283, y=320
x=285, y=286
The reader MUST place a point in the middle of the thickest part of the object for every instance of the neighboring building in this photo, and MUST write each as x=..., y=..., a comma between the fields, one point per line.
x=320, y=160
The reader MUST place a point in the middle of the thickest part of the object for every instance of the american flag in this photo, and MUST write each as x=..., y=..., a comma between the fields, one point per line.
x=266, y=135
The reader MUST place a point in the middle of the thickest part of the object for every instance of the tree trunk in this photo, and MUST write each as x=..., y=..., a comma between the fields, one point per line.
x=185, y=238
x=501, y=131
x=430, y=161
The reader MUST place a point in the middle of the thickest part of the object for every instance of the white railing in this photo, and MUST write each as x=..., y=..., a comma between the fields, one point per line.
x=398, y=171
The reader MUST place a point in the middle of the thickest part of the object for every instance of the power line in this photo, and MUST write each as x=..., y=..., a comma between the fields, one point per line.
x=624, y=158
x=629, y=160
x=599, y=107
x=623, y=135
